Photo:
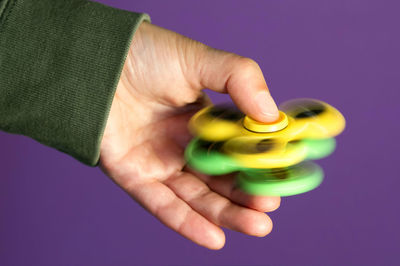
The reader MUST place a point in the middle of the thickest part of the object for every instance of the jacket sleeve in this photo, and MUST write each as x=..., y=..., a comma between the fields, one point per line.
x=60, y=62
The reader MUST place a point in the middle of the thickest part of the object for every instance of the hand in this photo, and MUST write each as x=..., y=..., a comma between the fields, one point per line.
x=143, y=144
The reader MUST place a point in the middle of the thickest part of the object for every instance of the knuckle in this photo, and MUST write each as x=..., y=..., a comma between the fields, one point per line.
x=248, y=65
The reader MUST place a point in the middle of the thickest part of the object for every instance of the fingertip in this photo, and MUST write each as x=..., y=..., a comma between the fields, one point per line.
x=270, y=204
x=259, y=225
x=264, y=228
x=251, y=94
x=262, y=203
x=217, y=241
x=258, y=105
x=266, y=109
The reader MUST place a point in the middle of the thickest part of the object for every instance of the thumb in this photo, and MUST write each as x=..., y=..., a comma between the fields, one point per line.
x=242, y=78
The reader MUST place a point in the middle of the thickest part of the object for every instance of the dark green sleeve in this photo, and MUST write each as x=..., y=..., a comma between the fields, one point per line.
x=60, y=62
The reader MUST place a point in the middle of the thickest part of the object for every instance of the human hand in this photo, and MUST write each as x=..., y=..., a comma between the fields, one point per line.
x=143, y=143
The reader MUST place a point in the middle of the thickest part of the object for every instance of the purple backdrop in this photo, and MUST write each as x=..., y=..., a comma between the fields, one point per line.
x=56, y=211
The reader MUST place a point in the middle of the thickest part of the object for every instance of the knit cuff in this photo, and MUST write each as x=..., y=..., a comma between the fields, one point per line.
x=60, y=63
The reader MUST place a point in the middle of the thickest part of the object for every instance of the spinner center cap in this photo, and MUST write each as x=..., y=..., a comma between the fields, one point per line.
x=255, y=126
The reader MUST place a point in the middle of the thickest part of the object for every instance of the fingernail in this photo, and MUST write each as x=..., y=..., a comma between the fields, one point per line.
x=267, y=106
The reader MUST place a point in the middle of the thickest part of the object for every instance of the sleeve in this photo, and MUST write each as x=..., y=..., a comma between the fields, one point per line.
x=60, y=62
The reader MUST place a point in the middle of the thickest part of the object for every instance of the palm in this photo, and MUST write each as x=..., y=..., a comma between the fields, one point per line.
x=143, y=145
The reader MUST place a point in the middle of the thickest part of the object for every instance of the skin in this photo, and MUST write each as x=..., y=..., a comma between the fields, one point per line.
x=142, y=149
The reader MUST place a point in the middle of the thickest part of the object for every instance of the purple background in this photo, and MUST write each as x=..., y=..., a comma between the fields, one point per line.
x=56, y=211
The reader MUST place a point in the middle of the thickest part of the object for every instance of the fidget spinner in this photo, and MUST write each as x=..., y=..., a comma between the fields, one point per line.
x=270, y=158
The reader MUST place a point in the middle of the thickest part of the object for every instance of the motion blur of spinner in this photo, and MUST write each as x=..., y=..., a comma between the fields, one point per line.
x=269, y=158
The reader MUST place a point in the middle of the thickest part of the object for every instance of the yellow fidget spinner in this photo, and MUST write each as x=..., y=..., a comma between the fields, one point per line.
x=268, y=145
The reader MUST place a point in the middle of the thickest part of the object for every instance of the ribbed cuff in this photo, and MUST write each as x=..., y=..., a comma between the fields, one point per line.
x=60, y=63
